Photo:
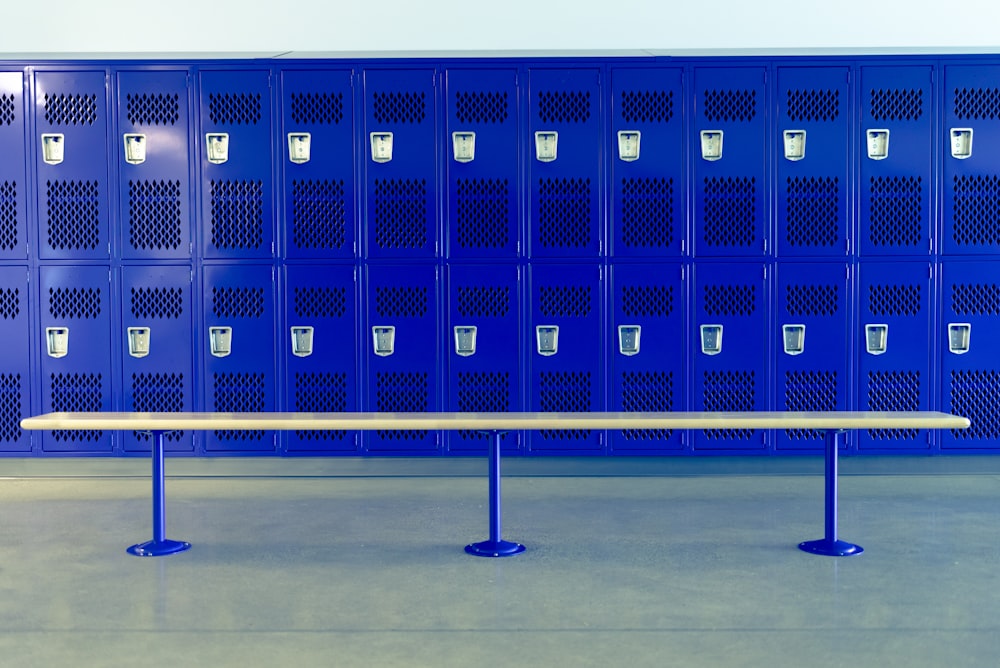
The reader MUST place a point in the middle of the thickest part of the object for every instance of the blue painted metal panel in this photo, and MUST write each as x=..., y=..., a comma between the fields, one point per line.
x=322, y=377
x=16, y=379
x=318, y=209
x=14, y=191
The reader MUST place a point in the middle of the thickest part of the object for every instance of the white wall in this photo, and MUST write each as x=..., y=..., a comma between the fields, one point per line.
x=391, y=25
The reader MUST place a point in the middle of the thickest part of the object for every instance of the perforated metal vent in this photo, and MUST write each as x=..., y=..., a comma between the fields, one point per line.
x=402, y=392
x=564, y=106
x=401, y=302
x=647, y=106
x=893, y=391
x=10, y=303
x=7, y=109
x=321, y=393
x=730, y=211
x=10, y=407
x=812, y=105
x=237, y=214
x=154, y=215
x=72, y=214
x=483, y=213
x=481, y=107
x=729, y=105
x=975, y=394
x=730, y=391
x=564, y=213
x=75, y=393
x=8, y=215
x=483, y=392
x=321, y=302
x=809, y=391
x=234, y=108
x=484, y=302
x=981, y=104
x=896, y=206
x=238, y=302
x=72, y=109
x=647, y=212
x=655, y=301
x=157, y=302
x=317, y=108
x=977, y=209
x=896, y=104
x=399, y=107
x=812, y=300
x=319, y=214
x=565, y=301
x=975, y=299
x=738, y=300
x=647, y=391
x=158, y=393
x=565, y=391
x=812, y=211
x=400, y=213
x=83, y=303
x=153, y=108
x=894, y=300
x=239, y=393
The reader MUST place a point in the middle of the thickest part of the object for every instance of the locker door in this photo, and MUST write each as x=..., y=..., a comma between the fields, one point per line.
x=484, y=364
x=730, y=165
x=157, y=364
x=403, y=341
x=15, y=362
x=810, y=335
x=811, y=153
x=971, y=138
x=319, y=343
x=483, y=218
x=567, y=363
x=648, y=181
x=645, y=335
x=13, y=184
x=401, y=219
x=729, y=349
x=967, y=338
x=895, y=187
x=74, y=315
x=238, y=335
x=154, y=156
x=237, y=206
x=564, y=163
x=894, y=351
x=318, y=210
x=71, y=124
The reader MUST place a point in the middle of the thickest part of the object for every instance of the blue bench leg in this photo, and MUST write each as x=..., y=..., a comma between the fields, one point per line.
x=830, y=545
x=495, y=546
x=160, y=545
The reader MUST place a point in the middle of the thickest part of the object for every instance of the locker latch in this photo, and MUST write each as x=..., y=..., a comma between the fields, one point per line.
x=302, y=341
x=547, y=339
x=217, y=144
x=463, y=146
x=876, y=338
x=465, y=340
x=628, y=339
x=381, y=146
x=878, y=144
x=138, y=341
x=795, y=144
x=711, y=144
x=961, y=143
x=711, y=339
x=384, y=340
x=53, y=148
x=628, y=145
x=299, y=147
x=794, y=339
x=135, y=148
x=959, y=335
x=220, y=341
x=57, y=341
x=546, y=145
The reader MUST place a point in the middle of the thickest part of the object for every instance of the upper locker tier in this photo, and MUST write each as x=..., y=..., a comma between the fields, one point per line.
x=13, y=184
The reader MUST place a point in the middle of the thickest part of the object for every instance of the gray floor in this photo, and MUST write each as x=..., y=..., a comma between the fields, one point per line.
x=694, y=566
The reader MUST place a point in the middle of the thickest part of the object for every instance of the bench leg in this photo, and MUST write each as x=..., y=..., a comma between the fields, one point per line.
x=160, y=545
x=830, y=545
x=495, y=546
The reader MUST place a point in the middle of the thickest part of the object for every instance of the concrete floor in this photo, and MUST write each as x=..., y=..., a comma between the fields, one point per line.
x=624, y=570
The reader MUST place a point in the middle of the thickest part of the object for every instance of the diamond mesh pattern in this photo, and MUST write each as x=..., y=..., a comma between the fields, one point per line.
x=812, y=300
x=981, y=104
x=7, y=109
x=321, y=393
x=237, y=214
x=481, y=107
x=812, y=105
x=896, y=204
x=83, y=303
x=77, y=392
x=645, y=391
x=158, y=393
x=8, y=215
x=239, y=393
x=809, y=391
x=399, y=107
x=647, y=106
x=894, y=300
x=729, y=390
x=484, y=302
x=10, y=303
x=482, y=392
x=234, y=108
x=238, y=302
x=656, y=301
x=730, y=211
x=317, y=108
x=10, y=407
x=483, y=212
x=320, y=302
x=729, y=105
x=157, y=302
x=975, y=299
x=401, y=213
x=896, y=105
x=153, y=108
x=737, y=300
x=565, y=391
x=564, y=106
x=976, y=395
x=72, y=109
x=564, y=213
x=406, y=302
x=812, y=211
x=647, y=212
x=977, y=208
x=402, y=392
x=893, y=391
x=73, y=220
x=565, y=301
x=154, y=215
x=319, y=214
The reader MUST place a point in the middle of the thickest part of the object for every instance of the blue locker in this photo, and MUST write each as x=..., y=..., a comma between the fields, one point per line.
x=894, y=351
x=319, y=341
x=895, y=188
x=239, y=355
x=14, y=192
x=318, y=209
x=967, y=336
x=401, y=219
x=16, y=383
x=971, y=169
x=565, y=351
x=811, y=156
x=648, y=176
x=237, y=209
x=154, y=157
x=644, y=339
x=71, y=145
x=484, y=363
x=156, y=340
x=564, y=163
x=482, y=136
x=403, y=342
x=729, y=349
x=729, y=152
x=75, y=329
x=812, y=303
